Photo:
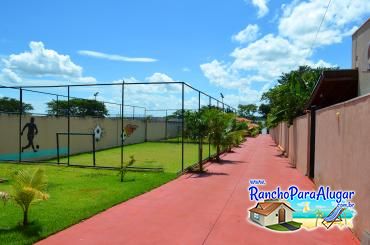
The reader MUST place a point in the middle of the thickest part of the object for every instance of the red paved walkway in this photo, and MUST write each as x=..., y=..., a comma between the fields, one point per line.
x=209, y=209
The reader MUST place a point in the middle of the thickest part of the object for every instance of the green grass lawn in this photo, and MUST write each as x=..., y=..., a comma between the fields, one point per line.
x=75, y=194
x=148, y=154
x=279, y=227
x=79, y=193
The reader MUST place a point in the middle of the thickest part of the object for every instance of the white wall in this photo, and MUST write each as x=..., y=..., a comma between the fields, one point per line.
x=360, y=58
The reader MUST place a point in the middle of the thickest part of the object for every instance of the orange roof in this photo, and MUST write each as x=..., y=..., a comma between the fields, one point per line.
x=266, y=208
x=252, y=125
x=242, y=119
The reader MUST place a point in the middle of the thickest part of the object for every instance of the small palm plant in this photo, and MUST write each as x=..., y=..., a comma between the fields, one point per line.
x=4, y=197
x=124, y=167
x=319, y=214
x=28, y=188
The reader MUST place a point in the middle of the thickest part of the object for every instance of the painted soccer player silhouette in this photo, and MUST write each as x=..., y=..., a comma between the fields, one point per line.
x=32, y=131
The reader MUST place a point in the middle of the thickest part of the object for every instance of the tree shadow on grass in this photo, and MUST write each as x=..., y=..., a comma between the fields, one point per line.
x=33, y=229
x=129, y=180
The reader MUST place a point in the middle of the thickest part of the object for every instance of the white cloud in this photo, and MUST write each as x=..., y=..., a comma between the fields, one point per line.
x=151, y=96
x=41, y=64
x=216, y=72
x=222, y=75
x=9, y=75
x=248, y=34
x=269, y=57
x=186, y=69
x=136, y=92
x=262, y=7
x=41, y=61
x=114, y=57
x=263, y=60
x=245, y=95
x=159, y=77
x=301, y=20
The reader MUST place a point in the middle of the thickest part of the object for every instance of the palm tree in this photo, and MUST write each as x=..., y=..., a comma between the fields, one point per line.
x=319, y=214
x=219, y=125
x=28, y=188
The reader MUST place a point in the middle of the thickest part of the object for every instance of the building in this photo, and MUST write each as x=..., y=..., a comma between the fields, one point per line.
x=342, y=85
x=361, y=57
x=330, y=144
x=271, y=212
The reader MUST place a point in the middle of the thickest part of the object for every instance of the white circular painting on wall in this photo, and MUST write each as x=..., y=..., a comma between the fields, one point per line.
x=98, y=133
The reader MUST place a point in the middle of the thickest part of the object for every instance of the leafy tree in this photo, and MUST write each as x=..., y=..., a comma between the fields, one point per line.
x=228, y=110
x=11, y=105
x=28, y=188
x=221, y=129
x=264, y=109
x=191, y=124
x=178, y=113
x=247, y=111
x=288, y=99
x=203, y=130
x=78, y=107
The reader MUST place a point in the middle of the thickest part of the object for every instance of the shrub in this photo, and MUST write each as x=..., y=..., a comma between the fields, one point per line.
x=28, y=188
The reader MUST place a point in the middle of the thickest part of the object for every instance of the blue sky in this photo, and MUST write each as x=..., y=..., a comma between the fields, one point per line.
x=238, y=47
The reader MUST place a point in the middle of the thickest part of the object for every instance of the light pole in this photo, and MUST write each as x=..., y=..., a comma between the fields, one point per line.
x=222, y=99
x=95, y=95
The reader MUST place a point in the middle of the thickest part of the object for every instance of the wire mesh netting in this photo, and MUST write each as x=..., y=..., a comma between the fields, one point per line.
x=152, y=125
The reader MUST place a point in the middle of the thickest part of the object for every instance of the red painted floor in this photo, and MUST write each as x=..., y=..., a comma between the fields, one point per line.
x=207, y=209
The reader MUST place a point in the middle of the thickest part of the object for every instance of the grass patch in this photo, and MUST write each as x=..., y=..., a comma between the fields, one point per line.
x=295, y=224
x=75, y=194
x=148, y=154
x=279, y=227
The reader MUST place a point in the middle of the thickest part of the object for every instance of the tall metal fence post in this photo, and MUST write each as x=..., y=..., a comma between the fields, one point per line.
x=200, y=146
x=69, y=125
x=209, y=142
x=182, y=129
x=165, y=125
x=20, y=125
x=122, y=130
x=57, y=106
x=93, y=139
x=146, y=126
x=312, y=142
x=58, y=153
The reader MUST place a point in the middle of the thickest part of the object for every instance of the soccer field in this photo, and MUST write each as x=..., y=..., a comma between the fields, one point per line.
x=148, y=154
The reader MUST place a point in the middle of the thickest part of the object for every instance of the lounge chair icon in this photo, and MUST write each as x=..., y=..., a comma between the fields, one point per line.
x=334, y=216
